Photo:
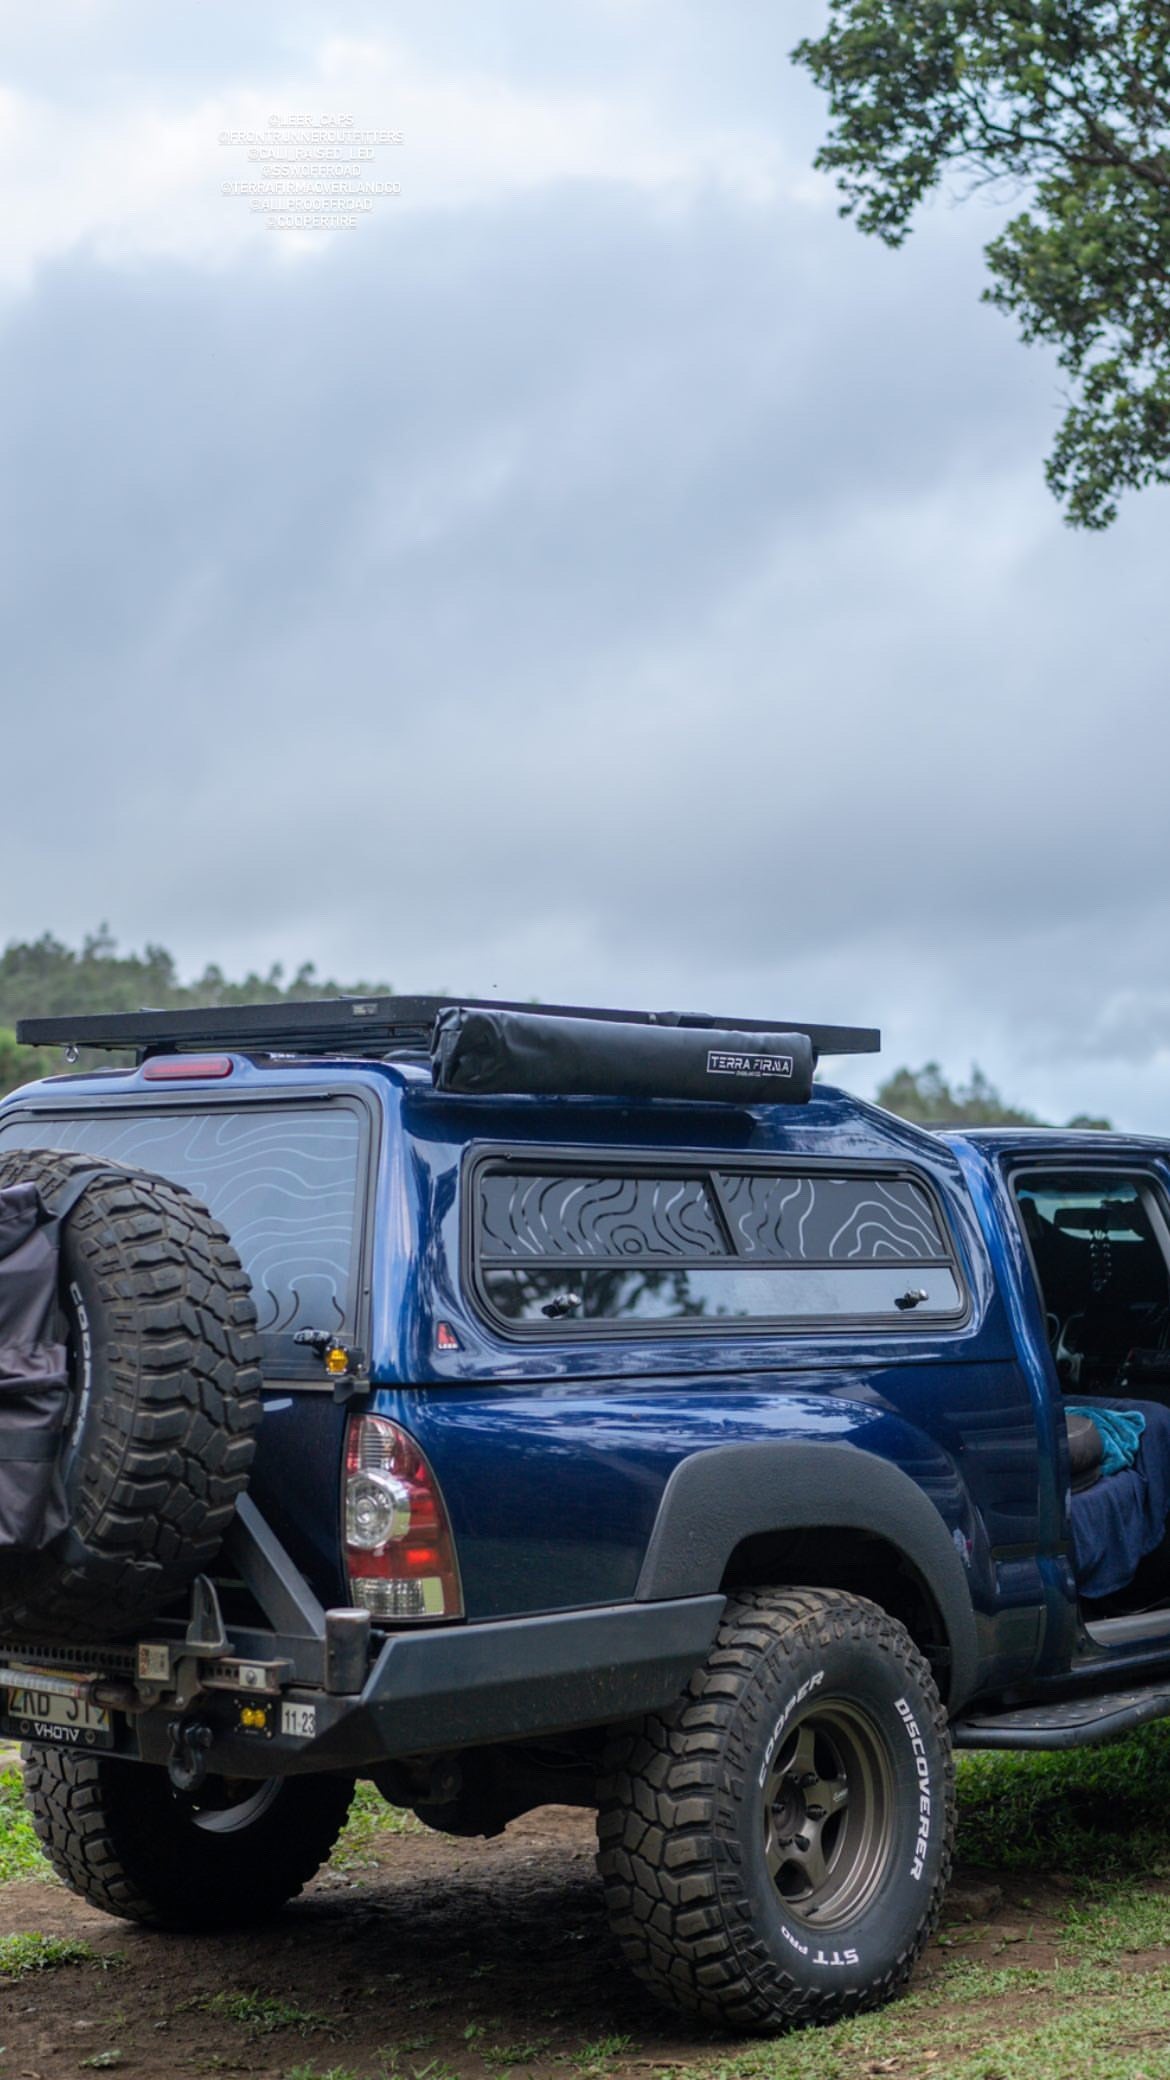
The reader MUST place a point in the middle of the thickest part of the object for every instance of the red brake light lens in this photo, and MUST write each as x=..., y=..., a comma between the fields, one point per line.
x=186, y=1068
x=399, y=1552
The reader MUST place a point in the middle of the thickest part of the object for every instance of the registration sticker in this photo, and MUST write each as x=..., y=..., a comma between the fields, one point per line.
x=299, y=1720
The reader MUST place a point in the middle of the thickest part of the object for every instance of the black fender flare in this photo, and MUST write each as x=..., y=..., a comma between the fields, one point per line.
x=716, y=1498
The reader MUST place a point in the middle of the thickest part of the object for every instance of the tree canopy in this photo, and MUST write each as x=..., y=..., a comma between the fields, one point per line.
x=43, y=978
x=925, y=1096
x=1069, y=101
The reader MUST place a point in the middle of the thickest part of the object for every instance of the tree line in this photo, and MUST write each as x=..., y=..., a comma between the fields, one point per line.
x=925, y=1096
x=44, y=978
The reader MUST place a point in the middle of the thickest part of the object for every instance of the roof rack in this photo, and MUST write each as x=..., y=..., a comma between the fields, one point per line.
x=371, y=1026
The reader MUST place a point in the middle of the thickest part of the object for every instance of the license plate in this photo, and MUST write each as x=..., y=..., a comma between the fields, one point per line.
x=40, y=1715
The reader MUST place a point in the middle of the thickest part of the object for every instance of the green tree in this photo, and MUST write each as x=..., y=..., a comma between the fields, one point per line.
x=45, y=978
x=22, y=1064
x=1068, y=100
x=925, y=1096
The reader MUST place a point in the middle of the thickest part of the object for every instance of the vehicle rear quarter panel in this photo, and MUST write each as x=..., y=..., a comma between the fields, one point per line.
x=554, y=1457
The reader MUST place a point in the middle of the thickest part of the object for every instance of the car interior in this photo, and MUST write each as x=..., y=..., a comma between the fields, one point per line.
x=1100, y=1248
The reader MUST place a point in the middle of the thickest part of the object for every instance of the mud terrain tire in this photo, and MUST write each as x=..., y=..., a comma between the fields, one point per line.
x=229, y=1854
x=775, y=1846
x=160, y=1431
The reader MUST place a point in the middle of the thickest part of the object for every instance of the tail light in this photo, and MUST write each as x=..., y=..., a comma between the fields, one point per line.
x=399, y=1552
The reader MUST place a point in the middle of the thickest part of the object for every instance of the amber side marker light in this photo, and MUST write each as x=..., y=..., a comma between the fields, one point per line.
x=399, y=1553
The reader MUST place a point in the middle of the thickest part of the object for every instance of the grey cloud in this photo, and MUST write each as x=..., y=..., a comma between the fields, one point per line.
x=593, y=597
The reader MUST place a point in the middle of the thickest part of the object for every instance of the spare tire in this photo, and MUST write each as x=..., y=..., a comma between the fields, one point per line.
x=159, y=1432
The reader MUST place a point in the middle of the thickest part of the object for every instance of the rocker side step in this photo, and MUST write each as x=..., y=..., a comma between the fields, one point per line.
x=1075, y=1722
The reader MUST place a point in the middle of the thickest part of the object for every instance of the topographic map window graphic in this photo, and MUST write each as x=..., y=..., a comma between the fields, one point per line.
x=599, y=1216
x=588, y=1244
x=831, y=1219
x=284, y=1183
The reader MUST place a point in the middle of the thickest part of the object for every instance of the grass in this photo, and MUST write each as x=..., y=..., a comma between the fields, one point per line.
x=1094, y=1813
x=20, y=1851
x=1118, y=1921
x=387, y=2069
x=370, y=1821
x=30, y=1952
x=262, y=2014
x=384, y=2072
x=594, y=2057
x=996, y=2026
x=317, y=2073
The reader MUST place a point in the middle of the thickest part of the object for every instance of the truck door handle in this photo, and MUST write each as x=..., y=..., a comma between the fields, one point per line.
x=912, y=1297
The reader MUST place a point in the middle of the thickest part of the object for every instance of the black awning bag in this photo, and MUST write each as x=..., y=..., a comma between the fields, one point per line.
x=34, y=1383
x=483, y=1053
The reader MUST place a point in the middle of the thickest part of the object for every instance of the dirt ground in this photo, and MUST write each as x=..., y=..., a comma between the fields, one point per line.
x=433, y=1958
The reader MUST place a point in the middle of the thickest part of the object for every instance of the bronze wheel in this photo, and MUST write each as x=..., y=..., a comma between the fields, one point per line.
x=828, y=1801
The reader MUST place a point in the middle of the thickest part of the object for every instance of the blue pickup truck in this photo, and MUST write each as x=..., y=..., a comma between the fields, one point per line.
x=582, y=1408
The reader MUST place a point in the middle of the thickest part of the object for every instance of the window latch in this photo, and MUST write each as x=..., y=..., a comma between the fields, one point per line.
x=561, y=1304
x=912, y=1297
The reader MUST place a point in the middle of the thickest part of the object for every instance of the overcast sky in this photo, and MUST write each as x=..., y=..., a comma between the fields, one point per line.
x=598, y=574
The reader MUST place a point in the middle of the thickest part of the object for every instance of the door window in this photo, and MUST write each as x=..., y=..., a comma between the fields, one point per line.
x=1098, y=1245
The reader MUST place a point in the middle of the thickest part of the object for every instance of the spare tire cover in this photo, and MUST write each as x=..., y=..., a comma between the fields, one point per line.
x=163, y=1403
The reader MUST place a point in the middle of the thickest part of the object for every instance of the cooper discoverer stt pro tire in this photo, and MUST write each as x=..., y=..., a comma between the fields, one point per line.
x=165, y=1400
x=776, y=1845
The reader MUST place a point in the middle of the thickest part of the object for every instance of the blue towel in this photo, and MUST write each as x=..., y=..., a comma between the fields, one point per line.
x=1121, y=1434
x=1114, y=1523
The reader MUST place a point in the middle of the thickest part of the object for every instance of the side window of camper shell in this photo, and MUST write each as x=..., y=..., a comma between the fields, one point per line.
x=594, y=1244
